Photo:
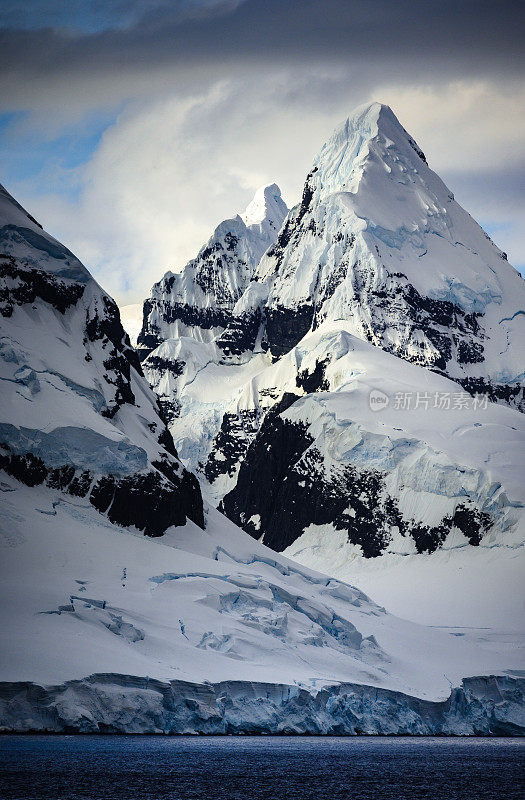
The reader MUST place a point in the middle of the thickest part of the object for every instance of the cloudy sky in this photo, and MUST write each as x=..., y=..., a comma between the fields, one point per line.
x=131, y=128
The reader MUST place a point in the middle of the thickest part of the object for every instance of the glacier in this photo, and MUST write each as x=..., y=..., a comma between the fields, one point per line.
x=209, y=631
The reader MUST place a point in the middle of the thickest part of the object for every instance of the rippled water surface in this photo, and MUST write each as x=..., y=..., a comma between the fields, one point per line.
x=249, y=768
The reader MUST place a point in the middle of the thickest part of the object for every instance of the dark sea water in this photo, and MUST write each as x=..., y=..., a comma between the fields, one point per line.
x=249, y=768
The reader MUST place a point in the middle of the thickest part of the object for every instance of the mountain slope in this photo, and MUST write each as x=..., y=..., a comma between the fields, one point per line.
x=394, y=478
x=198, y=301
x=77, y=413
x=209, y=631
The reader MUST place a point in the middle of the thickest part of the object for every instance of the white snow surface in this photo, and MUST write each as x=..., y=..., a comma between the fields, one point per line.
x=435, y=458
x=459, y=588
x=80, y=596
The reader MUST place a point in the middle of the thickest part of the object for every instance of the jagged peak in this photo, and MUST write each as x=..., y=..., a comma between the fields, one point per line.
x=371, y=130
x=267, y=205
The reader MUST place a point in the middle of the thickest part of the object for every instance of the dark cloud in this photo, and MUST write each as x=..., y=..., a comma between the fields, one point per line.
x=90, y=16
x=469, y=37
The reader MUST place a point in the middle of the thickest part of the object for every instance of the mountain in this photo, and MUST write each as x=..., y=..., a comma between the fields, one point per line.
x=196, y=628
x=77, y=413
x=379, y=241
x=379, y=289
x=198, y=302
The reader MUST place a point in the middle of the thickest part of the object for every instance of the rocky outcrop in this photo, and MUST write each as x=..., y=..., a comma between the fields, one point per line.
x=292, y=477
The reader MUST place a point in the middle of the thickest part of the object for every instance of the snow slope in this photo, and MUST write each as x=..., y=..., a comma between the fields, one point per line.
x=203, y=628
x=75, y=410
x=198, y=301
x=428, y=462
x=208, y=630
x=460, y=588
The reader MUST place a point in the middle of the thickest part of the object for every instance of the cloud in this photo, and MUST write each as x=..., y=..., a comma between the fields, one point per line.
x=471, y=125
x=171, y=169
x=186, y=108
x=52, y=67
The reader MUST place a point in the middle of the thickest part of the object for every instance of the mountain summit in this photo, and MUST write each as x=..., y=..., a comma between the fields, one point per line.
x=364, y=138
x=378, y=240
x=267, y=210
x=198, y=301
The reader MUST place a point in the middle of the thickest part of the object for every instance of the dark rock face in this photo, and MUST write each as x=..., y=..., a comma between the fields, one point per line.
x=444, y=324
x=175, y=368
x=313, y=381
x=241, y=334
x=285, y=327
x=26, y=468
x=25, y=286
x=293, y=221
x=230, y=444
x=105, y=326
x=169, y=409
x=197, y=317
x=151, y=502
x=149, y=337
x=209, y=264
x=282, y=481
x=513, y=394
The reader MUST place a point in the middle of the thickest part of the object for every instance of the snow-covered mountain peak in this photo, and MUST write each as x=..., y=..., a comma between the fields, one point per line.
x=76, y=413
x=266, y=209
x=378, y=240
x=199, y=301
x=24, y=239
x=370, y=138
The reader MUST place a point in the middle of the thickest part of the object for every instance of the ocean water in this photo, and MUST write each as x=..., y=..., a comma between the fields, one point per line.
x=249, y=768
